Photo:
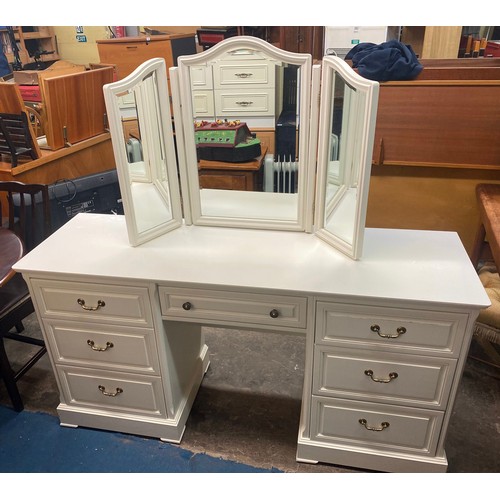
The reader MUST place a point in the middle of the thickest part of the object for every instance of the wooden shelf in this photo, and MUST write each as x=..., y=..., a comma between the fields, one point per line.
x=29, y=40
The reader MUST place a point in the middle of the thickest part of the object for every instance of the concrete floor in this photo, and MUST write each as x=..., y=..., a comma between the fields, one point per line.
x=248, y=406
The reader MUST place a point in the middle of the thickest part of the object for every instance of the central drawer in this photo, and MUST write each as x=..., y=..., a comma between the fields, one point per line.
x=243, y=75
x=233, y=307
x=124, y=305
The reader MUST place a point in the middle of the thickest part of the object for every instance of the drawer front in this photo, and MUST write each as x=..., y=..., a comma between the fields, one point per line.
x=390, y=328
x=93, y=302
x=107, y=390
x=247, y=103
x=221, y=307
x=103, y=346
x=243, y=75
x=201, y=77
x=367, y=425
x=203, y=103
x=396, y=379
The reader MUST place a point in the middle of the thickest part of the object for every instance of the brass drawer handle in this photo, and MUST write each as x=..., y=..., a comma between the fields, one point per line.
x=274, y=313
x=110, y=394
x=392, y=376
x=243, y=75
x=100, y=303
x=187, y=306
x=244, y=103
x=92, y=345
x=364, y=423
x=399, y=331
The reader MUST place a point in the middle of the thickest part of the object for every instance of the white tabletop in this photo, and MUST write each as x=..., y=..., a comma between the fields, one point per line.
x=423, y=266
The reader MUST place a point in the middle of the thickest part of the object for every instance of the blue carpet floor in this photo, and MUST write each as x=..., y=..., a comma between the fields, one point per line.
x=35, y=442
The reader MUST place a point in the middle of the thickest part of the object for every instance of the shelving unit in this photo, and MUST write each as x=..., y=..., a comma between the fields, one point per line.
x=36, y=44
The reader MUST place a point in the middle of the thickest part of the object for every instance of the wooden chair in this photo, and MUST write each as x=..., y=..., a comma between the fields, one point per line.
x=29, y=218
x=487, y=326
x=17, y=137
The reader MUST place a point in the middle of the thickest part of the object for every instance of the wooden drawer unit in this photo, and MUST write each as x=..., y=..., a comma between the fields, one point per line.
x=376, y=426
x=404, y=330
x=390, y=378
x=103, y=346
x=116, y=391
x=125, y=305
x=128, y=53
x=226, y=307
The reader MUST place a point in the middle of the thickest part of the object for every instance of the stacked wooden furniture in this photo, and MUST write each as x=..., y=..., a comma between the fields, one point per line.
x=31, y=39
x=437, y=137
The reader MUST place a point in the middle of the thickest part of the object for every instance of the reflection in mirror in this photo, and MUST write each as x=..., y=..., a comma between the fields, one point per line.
x=347, y=122
x=141, y=132
x=245, y=108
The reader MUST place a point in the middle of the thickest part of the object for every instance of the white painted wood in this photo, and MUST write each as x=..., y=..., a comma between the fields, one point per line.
x=139, y=394
x=227, y=56
x=233, y=277
x=131, y=349
x=416, y=381
x=344, y=227
x=412, y=430
x=148, y=83
x=228, y=308
x=426, y=332
x=122, y=304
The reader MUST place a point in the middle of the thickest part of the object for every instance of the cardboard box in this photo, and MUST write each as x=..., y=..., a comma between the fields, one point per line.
x=32, y=77
x=28, y=77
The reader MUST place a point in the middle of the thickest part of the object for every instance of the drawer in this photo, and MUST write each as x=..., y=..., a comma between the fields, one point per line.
x=390, y=378
x=374, y=426
x=240, y=75
x=248, y=103
x=434, y=333
x=203, y=103
x=201, y=77
x=93, y=302
x=103, y=346
x=219, y=307
x=107, y=390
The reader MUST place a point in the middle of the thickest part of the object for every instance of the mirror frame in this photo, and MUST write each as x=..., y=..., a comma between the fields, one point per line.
x=361, y=132
x=305, y=196
x=161, y=109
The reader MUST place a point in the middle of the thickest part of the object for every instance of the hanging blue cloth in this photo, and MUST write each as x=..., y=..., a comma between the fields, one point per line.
x=390, y=60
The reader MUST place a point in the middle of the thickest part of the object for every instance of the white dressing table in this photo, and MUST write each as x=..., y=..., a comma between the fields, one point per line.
x=386, y=337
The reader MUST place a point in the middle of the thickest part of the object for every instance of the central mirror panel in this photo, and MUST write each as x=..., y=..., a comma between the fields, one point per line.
x=245, y=108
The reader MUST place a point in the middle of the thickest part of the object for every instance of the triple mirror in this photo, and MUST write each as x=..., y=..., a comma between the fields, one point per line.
x=255, y=146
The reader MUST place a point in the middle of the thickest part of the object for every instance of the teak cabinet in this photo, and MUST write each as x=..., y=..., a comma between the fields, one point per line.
x=127, y=53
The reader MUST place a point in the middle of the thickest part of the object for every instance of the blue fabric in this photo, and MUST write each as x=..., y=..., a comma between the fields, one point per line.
x=390, y=60
x=4, y=64
x=35, y=442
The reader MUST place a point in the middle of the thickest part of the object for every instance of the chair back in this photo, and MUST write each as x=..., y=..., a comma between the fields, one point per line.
x=28, y=209
x=17, y=137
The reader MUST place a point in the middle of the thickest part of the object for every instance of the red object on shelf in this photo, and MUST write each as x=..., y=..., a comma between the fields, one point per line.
x=492, y=49
x=119, y=31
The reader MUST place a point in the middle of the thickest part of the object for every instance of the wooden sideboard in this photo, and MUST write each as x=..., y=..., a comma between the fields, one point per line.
x=127, y=53
x=436, y=138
